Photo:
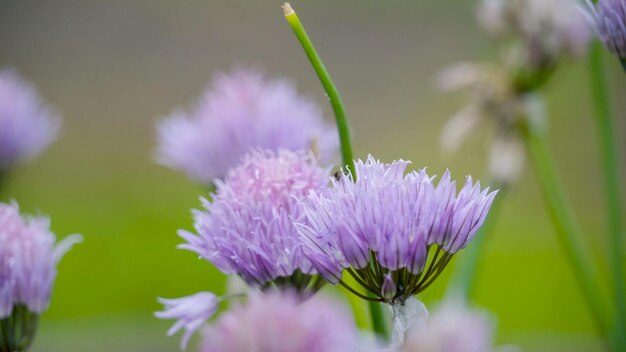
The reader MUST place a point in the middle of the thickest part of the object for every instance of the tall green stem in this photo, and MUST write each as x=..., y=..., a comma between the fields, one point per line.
x=378, y=319
x=464, y=276
x=568, y=232
x=613, y=191
x=344, y=139
x=327, y=83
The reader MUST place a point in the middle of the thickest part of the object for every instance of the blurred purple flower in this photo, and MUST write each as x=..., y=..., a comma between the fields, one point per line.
x=190, y=313
x=247, y=229
x=28, y=259
x=386, y=222
x=242, y=110
x=608, y=18
x=27, y=126
x=452, y=327
x=279, y=322
x=546, y=29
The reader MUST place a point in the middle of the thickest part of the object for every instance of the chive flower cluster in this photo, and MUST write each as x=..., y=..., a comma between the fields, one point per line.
x=247, y=229
x=27, y=125
x=28, y=260
x=281, y=322
x=241, y=111
x=393, y=232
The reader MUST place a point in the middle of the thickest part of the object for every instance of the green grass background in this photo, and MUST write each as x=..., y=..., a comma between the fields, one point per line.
x=113, y=68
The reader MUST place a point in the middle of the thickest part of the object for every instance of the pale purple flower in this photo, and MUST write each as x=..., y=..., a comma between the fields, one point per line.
x=242, y=110
x=493, y=97
x=546, y=29
x=608, y=18
x=28, y=260
x=387, y=222
x=281, y=322
x=453, y=327
x=247, y=229
x=27, y=125
x=190, y=313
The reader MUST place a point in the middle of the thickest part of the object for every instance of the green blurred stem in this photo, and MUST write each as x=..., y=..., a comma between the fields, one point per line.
x=567, y=230
x=464, y=277
x=613, y=190
x=378, y=320
x=327, y=83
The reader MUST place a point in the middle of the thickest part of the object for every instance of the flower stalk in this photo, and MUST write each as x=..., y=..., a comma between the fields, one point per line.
x=327, y=83
x=567, y=229
x=613, y=190
x=344, y=139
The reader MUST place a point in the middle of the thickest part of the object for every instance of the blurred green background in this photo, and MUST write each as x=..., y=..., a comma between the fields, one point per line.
x=113, y=68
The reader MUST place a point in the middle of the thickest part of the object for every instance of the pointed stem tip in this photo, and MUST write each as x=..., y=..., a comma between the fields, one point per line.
x=287, y=10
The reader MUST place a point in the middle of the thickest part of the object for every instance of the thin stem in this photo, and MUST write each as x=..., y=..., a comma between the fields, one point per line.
x=568, y=232
x=378, y=320
x=613, y=190
x=464, y=277
x=327, y=83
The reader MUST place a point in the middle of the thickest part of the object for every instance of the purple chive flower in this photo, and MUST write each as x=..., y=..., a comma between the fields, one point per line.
x=27, y=126
x=28, y=260
x=190, y=312
x=242, y=110
x=608, y=18
x=546, y=29
x=280, y=322
x=382, y=227
x=452, y=327
x=247, y=229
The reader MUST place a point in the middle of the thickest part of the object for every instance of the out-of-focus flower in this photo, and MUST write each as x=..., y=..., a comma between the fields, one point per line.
x=492, y=97
x=280, y=322
x=546, y=29
x=247, y=229
x=453, y=327
x=386, y=223
x=27, y=125
x=242, y=110
x=608, y=18
x=28, y=260
x=190, y=313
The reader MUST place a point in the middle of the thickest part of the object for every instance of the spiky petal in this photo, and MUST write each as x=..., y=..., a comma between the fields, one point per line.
x=190, y=312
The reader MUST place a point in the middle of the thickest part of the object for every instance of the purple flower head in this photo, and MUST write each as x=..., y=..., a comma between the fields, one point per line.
x=452, y=327
x=190, y=313
x=281, y=322
x=242, y=110
x=382, y=227
x=546, y=29
x=28, y=259
x=27, y=126
x=248, y=227
x=608, y=18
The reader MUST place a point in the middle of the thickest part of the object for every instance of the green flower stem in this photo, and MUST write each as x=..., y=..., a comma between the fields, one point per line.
x=378, y=319
x=464, y=277
x=613, y=190
x=346, y=147
x=567, y=230
x=327, y=83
